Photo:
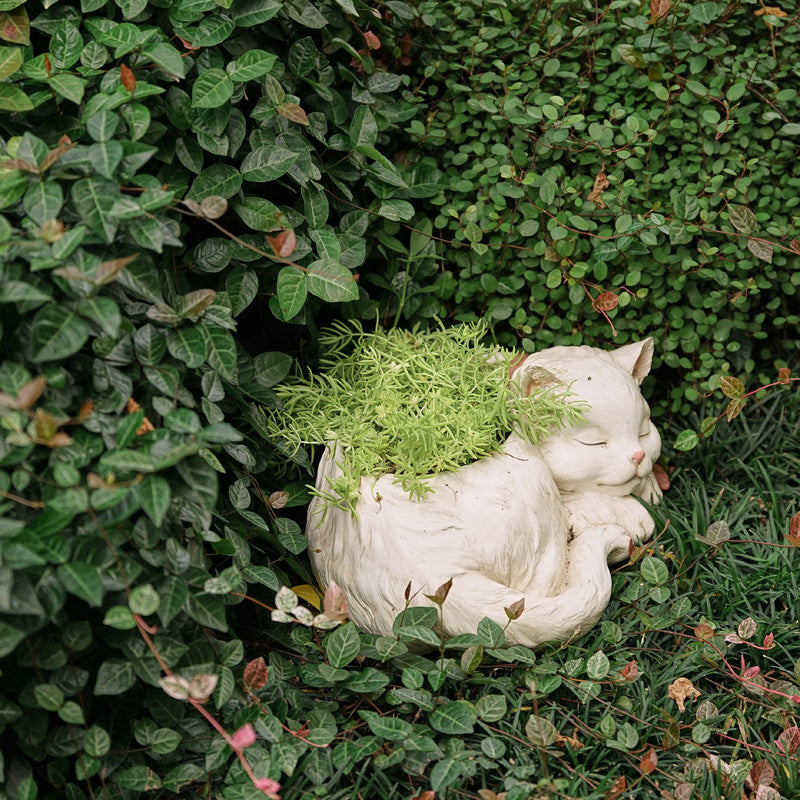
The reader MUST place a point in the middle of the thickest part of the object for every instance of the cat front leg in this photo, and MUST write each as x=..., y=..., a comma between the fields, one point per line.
x=625, y=518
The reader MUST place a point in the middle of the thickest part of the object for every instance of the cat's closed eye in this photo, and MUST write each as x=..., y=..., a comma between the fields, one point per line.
x=591, y=444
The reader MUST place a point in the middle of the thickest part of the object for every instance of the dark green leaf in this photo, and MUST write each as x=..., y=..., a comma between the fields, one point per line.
x=82, y=580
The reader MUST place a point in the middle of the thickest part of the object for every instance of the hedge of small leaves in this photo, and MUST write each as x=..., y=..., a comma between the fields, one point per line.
x=613, y=172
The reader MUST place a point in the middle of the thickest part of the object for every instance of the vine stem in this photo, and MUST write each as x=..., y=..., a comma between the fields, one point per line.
x=144, y=632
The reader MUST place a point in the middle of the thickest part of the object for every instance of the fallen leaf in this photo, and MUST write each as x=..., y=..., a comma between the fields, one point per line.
x=572, y=741
x=649, y=763
x=681, y=690
x=659, y=9
x=616, y=789
x=601, y=183
x=662, y=478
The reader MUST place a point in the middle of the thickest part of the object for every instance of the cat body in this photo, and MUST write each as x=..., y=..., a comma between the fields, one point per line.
x=533, y=522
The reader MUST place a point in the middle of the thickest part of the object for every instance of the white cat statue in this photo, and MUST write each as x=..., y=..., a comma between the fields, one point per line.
x=539, y=523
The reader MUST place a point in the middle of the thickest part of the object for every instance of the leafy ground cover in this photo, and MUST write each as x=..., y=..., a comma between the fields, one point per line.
x=689, y=687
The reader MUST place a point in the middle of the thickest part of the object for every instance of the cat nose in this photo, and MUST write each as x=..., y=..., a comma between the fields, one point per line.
x=638, y=456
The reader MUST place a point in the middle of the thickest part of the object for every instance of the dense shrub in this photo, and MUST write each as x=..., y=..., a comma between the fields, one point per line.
x=166, y=167
x=614, y=171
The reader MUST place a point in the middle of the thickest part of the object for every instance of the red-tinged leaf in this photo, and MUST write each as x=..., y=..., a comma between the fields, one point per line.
x=278, y=500
x=255, y=674
x=605, y=301
x=769, y=641
x=734, y=638
x=795, y=245
x=662, y=478
x=293, y=113
x=747, y=627
x=760, y=249
x=15, y=26
x=440, y=595
x=428, y=794
x=794, y=541
x=659, y=8
x=283, y=243
x=127, y=77
x=794, y=525
x=751, y=672
x=734, y=409
x=372, y=40
x=108, y=271
x=789, y=740
x=616, y=789
x=514, y=611
x=731, y=387
x=649, y=763
x=784, y=373
x=761, y=774
x=334, y=603
x=630, y=671
x=47, y=66
x=243, y=738
x=703, y=632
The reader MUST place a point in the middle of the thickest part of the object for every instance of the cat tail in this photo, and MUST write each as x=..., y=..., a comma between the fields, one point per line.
x=561, y=617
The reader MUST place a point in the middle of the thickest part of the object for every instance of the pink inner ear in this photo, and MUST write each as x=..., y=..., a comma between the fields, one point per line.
x=516, y=363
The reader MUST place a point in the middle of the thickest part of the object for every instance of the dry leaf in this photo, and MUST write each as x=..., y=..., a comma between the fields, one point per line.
x=600, y=184
x=769, y=11
x=648, y=763
x=616, y=789
x=659, y=8
x=572, y=741
x=682, y=689
x=283, y=243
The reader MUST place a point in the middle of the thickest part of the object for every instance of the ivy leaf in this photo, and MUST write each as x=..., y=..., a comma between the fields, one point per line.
x=342, y=645
x=57, y=333
x=212, y=88
x=11, y=59
x=331, y=282
x=82, y=580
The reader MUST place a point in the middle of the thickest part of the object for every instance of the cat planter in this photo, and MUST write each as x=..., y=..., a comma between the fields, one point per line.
x=539, y=523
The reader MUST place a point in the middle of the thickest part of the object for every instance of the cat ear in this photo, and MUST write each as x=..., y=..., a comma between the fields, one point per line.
x=636, y=358
x=531, y=378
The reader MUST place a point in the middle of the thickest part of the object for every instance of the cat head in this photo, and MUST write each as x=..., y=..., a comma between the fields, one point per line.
x=615, y=445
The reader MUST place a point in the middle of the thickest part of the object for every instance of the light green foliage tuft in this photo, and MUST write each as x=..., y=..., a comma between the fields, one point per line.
x=412, y=404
